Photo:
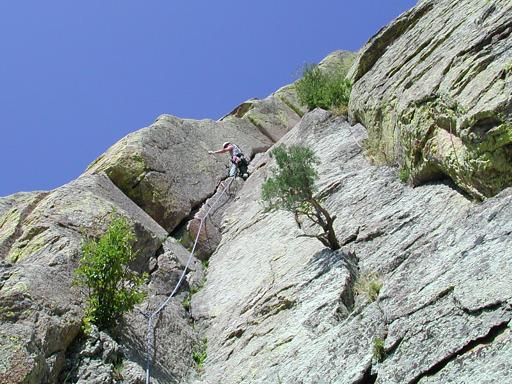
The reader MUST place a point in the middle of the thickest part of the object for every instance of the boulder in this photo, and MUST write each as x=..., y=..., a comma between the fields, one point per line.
x=273, y=116
x=166, y=169
x=434, y=89
x=41, y=312
x=337, y=61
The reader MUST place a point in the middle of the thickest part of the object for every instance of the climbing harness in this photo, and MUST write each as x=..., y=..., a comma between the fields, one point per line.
x=150, y=330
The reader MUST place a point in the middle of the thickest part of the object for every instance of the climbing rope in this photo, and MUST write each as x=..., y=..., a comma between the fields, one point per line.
x=150, y=330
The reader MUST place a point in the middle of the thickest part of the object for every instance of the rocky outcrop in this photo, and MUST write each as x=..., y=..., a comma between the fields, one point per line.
x=289, y=310
x=434, y=89
x=174, y=337
x=144, y=163
x=13, y=210
x=40, y=313
x=278, y=113
x=337, y=61
x=273, y=116
x=420, y=291
x=208, y=220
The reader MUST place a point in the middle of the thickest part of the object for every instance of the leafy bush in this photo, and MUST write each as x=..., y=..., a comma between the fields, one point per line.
x=368, y=284
x=323, y=89
x=113, y=288
x=292, y=188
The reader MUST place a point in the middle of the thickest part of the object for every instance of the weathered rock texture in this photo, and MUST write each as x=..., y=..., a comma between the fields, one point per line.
x=434, y=89
x=158, y=173
x=166, y=169
x=280, y=111
x=174, y=335
x=40, y=314
x=278, y=307
x=211, y=214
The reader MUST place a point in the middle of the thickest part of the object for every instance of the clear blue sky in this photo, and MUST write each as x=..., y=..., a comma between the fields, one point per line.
x=77, y=75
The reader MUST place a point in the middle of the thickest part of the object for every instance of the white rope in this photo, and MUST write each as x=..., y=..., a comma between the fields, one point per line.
x=150, y=331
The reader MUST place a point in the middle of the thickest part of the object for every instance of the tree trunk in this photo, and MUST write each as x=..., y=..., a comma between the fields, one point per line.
x=326, y=222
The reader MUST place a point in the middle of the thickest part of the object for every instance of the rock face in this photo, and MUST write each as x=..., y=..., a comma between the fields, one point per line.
x=162, y=172
x=434, y=89
x=290, y=311
x=211, y=213
x=174, y=335
x=274, y=115
x=40, y=313
x=143, y=164
x=420, y=291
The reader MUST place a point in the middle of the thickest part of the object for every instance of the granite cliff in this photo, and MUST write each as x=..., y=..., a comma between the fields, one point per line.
x=431, y=104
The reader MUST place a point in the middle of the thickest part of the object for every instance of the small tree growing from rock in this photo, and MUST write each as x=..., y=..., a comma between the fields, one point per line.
x=327, y=90
x=113, y=288
x=292, y=188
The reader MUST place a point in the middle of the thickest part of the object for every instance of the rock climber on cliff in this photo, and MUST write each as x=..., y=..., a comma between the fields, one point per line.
x=238, y=161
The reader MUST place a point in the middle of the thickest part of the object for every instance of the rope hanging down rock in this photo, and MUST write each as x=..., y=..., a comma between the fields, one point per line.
x=150, y=330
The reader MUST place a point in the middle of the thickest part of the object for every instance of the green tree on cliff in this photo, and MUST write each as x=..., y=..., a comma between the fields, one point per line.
x=113, y=287
x=292, y=187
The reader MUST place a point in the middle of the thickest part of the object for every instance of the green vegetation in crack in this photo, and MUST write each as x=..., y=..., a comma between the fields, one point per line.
x=379, y=352
x=292, y=188
x=199, y=354
x=369, y=285
x=327, y=90
x=193, y=290
x=403, y=174
x=113, y=288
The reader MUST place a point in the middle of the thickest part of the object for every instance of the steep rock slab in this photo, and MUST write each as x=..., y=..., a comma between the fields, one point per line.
x=13, y=210
x=288, y=310
x=273, y=116
x=40, y=313
x=211, y=213
x=165, y=168
x=337, y=61
x=434, y=90
x=276, y=114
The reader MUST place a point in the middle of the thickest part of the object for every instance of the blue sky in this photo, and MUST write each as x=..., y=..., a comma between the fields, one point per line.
x=76, y=76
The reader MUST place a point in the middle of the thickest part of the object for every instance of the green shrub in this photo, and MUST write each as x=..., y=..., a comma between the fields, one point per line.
x=113, y=288
x=323, y=89
x=404, y=174
x=292, y=186
x=186, y=302
x=117, y=371
x=199, y=354
x=369, y=285
x=378, y=349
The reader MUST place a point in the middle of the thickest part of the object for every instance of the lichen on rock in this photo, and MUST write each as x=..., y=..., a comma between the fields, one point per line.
x=433, y=90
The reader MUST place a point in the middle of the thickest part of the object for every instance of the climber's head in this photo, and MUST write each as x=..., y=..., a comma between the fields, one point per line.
x=226, y=144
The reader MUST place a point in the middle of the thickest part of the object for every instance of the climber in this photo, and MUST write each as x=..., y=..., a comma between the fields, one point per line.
x=238, y=161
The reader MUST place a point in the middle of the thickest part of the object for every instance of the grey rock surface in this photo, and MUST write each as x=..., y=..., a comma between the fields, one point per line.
x=92, y=359
x=166, y=169
x=13, y=210
x=211, y=213
x=173, y=334
x=40, y=312
x=434, y=89
x=273, y=116
x=289, y=312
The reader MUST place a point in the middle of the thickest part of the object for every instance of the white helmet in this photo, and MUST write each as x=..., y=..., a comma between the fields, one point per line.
x=226, y=144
